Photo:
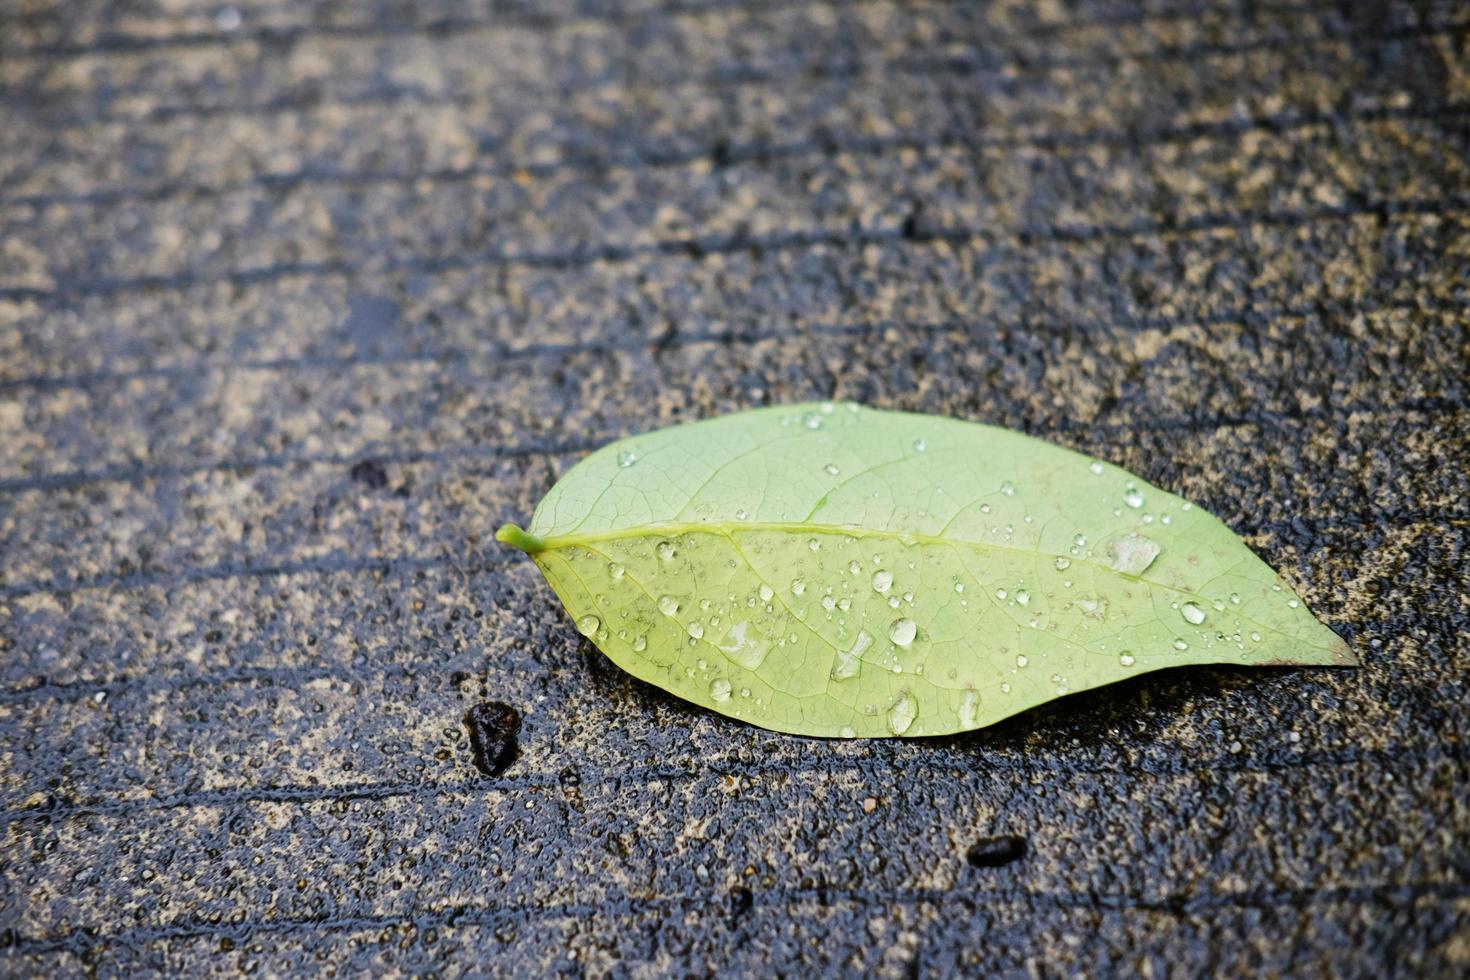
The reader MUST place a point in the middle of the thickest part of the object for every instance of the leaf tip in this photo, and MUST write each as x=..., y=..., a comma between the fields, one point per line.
x=1343, y=655
x=517, y=538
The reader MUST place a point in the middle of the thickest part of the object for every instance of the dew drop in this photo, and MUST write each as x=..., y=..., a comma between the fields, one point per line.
x=903, y=631
x=1005, y=688
x=719, y=690
x=1096, y=468
x=984, y=508
x=1192, y=614
x=829, y=603
x=893, y=602
x=882, y=581
x=1125, y=658
x=813, y=544
x=811, y=420
x=850, y=660
x=902, y=714
x=959, y=586
x=1001, y=593
x=666, y=550
x=970, y=709
x=627, y=458
x=1133, y=554
x=588, y=625
x=640, y=643
x=908, y=597
x=855, y=566
x=920, y=445
x=846, y=731
x=696, y=630
x=1180, y=645
x=831, y=469
x=741, y=514
x=1008, y=488
x=1079, y=541
x=844, y=604
x=1292, y=603
x=668, y=605
x=616, y=572
x=1255, y=637
x=1023, y=597
x=1063, y=564
x=1133, y=498
x=766, y=592
x=1235, y=598
x=797, y=586
x=1021, y=660
x=745, y=692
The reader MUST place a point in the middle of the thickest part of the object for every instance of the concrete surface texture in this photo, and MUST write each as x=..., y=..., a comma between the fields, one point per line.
x=299, y=301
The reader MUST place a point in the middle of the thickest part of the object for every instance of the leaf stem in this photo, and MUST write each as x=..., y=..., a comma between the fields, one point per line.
x=516, y=538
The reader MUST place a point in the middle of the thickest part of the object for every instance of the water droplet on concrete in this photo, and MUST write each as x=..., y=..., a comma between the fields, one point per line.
x=719, y=690
x=903, y=631
x=882, y=581
x=902, y=714
x=588, y=625
x=1192, y=614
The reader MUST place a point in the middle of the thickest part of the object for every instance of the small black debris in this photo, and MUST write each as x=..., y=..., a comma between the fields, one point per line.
x=741, y=901
x=371, y=474
x=992, y=852
x=493, y=726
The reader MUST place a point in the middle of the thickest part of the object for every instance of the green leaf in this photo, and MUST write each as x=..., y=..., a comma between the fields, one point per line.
x=833, y=570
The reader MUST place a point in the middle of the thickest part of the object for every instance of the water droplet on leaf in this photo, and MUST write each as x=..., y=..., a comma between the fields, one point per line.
x=902, y=714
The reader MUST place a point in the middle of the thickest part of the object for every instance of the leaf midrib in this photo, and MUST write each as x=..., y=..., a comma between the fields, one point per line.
x=730, y=528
